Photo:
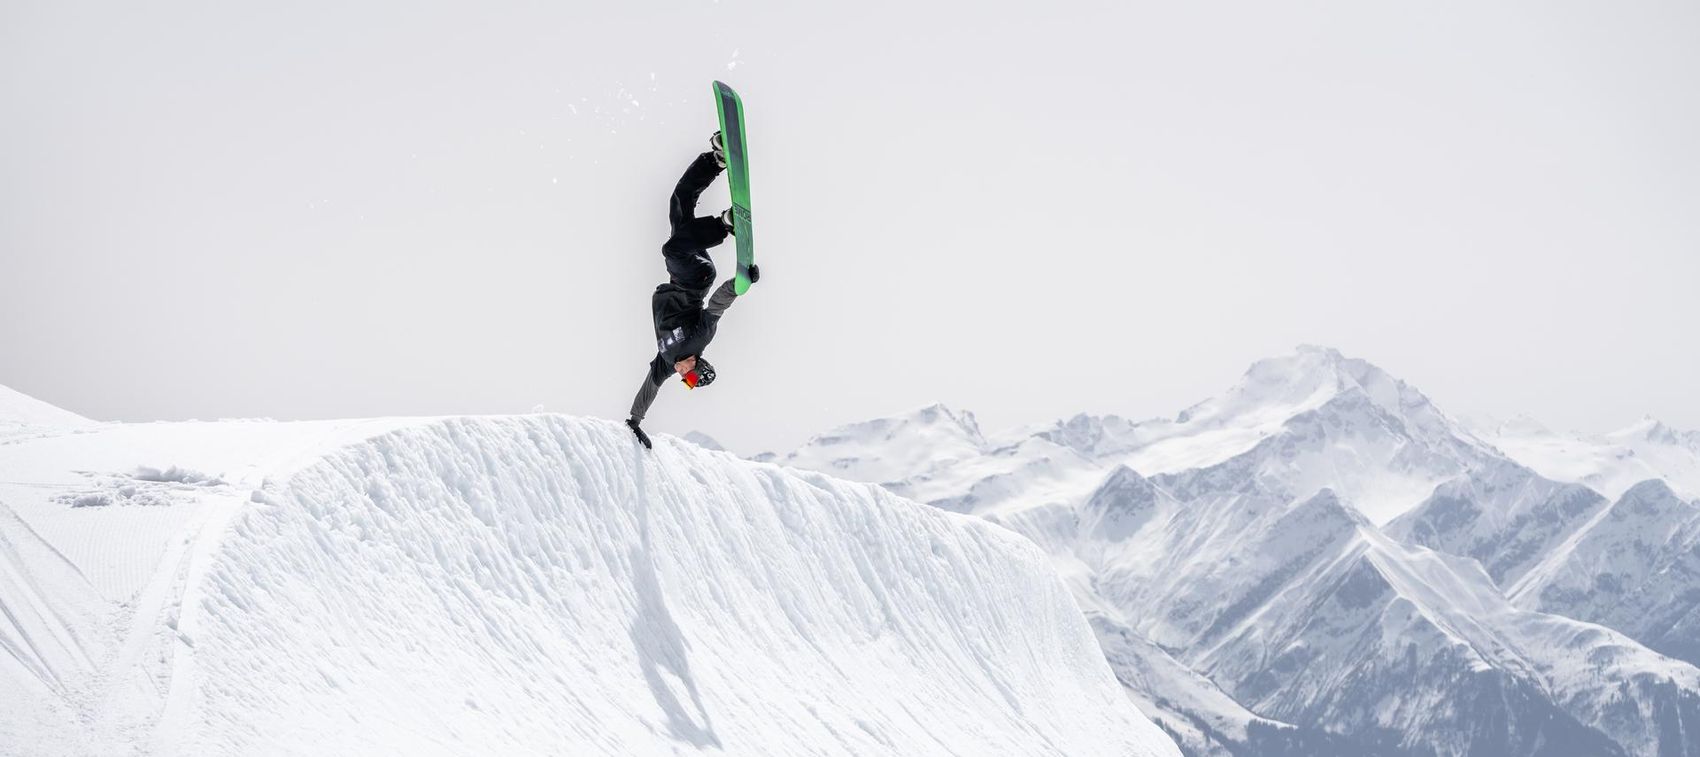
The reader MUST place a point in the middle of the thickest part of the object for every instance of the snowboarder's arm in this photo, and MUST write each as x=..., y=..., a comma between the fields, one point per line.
x=646, y=392
x=721, y=299
x=726, y=293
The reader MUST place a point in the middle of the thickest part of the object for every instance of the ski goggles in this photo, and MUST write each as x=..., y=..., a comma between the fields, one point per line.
x=702, y=375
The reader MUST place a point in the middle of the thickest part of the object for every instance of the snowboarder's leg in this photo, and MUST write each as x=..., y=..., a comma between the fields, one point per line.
x=695, y=235
x=689, y=231
x=682, y=207
x=688, y=264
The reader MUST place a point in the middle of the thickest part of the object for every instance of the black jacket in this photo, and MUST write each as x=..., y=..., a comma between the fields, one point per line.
x=684, y=325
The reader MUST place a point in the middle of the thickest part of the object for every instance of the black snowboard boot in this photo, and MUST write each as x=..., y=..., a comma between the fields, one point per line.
x=726, y=220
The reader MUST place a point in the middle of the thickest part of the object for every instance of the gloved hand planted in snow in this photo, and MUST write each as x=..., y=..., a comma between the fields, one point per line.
x=642, y=437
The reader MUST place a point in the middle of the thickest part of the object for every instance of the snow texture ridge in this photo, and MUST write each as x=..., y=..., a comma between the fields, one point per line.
x=534, y=585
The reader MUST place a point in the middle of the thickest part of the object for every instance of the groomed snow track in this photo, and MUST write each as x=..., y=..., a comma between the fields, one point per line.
x=541, y=585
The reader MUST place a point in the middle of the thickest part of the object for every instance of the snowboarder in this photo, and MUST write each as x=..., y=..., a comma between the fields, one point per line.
x=683, y=324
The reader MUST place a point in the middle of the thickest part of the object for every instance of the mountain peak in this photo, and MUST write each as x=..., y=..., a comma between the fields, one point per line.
x=935, y=416
x=1122, y=484
x=1386, y=444
x=1306, y=377
x=1651, y=506
x=939, y=413
x=1327, y=501
x=1302, y=380
x=1093, y=435
x=1521, y=424
x=1278, y=388
x=1651, y=490
x=1654, y=430
x=704, y=441
x=1122, y=504
x=890, y=449
x=1319, y=350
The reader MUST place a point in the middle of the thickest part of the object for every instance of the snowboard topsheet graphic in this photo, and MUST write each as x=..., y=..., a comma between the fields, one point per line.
x=738, y=178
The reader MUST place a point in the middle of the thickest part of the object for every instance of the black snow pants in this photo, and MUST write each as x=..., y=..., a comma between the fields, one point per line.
x=686, y=250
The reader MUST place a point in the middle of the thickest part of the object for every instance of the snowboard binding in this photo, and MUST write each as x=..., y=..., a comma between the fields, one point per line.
x=717, y=145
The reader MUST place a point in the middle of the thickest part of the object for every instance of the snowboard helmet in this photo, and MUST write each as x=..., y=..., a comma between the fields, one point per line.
x=702, y=375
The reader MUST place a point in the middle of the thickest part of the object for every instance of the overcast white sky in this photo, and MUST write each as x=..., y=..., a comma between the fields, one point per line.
x=1027, y=210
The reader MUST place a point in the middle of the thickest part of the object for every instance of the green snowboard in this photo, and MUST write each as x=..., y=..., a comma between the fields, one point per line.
x=738, y=176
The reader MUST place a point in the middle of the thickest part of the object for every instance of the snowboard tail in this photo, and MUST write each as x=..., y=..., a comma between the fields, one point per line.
x=738, y=178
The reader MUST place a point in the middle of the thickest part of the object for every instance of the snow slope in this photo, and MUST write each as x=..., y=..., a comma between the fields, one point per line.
x=99, y=530
x=516, y=585
x=19, y=409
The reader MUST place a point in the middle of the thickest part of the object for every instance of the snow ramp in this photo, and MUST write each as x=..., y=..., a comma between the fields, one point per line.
x=542, y=585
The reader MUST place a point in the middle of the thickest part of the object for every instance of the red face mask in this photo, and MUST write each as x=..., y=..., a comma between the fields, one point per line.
x=691, y=379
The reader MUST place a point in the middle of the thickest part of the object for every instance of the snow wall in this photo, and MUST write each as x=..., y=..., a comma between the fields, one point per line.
x=541, y=585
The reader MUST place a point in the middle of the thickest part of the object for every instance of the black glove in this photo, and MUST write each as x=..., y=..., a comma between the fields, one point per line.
x=755, y=273
x=643, y=438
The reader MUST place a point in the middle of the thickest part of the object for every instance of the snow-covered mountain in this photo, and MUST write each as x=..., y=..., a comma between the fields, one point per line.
x=1608, y=463
x=1304, y=612
x=1314, y=420
x=890, y=450
x=515, y=585
x=1300, y=423
x=704, y=441
x=1232, y=562
x=1504, y=515
x=1634, y=567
